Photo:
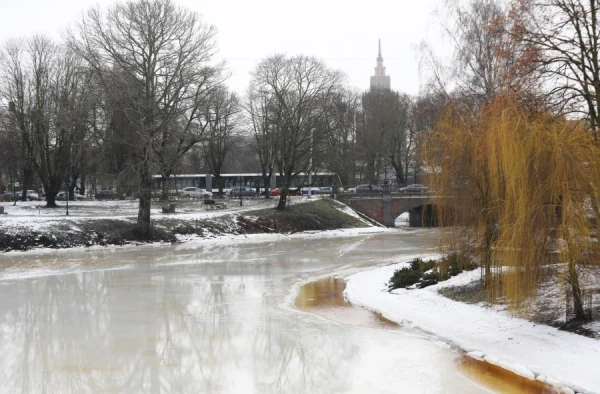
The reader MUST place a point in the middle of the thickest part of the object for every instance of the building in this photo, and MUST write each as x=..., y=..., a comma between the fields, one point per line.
x=380, y=81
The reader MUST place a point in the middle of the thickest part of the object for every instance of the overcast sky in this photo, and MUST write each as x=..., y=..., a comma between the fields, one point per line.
x=342, y=33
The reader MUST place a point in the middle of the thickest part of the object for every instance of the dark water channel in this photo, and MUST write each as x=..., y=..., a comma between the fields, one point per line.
x=208, y=318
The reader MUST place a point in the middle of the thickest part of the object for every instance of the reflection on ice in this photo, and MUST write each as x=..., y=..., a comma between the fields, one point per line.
x=203, y=326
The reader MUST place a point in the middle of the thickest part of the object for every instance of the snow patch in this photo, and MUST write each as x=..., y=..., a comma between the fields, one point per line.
x=562, y=359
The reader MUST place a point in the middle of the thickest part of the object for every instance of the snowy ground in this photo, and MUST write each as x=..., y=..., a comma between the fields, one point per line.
x=32, y=214
x=34, y=211
x=30, y=217
x=565, y=360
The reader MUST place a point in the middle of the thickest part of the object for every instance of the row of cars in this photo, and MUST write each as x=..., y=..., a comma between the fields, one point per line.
x=370, y=188
x=30, y=195
x=196, y=192
x=304, y=191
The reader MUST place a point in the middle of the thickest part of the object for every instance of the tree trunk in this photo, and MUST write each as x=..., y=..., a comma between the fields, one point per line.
x=164, y=193
x=51, y=200
x=72, y=192
x=27, y=180
x=370, y=173
x=143, y=219
x=576, y=289
x=82, y=185
x=52, y=188
x=487, y=258
x=219, y=181
x=266, y=184
x=282, y=198
x=399, y=172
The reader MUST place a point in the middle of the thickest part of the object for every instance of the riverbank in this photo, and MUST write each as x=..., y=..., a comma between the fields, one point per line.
x=28, y=225
x=565, y=360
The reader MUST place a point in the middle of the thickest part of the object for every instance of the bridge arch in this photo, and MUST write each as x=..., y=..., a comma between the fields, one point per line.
x=386, y=208
x=421, y=216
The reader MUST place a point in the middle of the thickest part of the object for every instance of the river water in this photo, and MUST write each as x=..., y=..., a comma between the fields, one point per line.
x=222, y=319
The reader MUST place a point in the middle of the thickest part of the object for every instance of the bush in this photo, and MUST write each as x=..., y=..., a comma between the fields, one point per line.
x=403, y=278
x=425, y=273
x=421, y=265
x=431, y=275
x=415, y=264
x=427, y=282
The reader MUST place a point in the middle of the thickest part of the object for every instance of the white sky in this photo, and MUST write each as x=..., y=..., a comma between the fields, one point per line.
x=342, y=33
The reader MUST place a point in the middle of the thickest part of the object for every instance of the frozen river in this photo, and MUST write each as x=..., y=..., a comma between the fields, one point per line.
x=207, y=319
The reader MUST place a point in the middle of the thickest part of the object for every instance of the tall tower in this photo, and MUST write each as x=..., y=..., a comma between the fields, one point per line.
x=380, y=81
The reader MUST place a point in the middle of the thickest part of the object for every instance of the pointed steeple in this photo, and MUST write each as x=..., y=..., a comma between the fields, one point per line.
x=380, y=81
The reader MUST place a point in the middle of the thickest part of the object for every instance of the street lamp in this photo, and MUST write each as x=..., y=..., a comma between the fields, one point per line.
x=240, y=189
x=67, y=194
x=310, y=159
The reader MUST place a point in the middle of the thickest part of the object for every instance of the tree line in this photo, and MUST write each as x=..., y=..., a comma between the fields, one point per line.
x=134, y=90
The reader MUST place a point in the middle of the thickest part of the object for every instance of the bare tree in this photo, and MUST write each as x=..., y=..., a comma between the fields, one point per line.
x=301, y=88
x=161, y=54
x=425, y=112
x=261, y=110
x=47, y=87
x=10, y=151
x=383, y=132
x=222, y=112
x=486, y=60
x=340, y=123
x=568, y=36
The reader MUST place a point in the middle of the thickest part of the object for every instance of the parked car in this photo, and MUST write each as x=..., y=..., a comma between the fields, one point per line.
x=414, y=188
x=106, y=195
x=30, y=196
x=369, y=188
x=195, y=192
x=276, y=192
x=244, y=191
x=328, y=190
x=7, y=196
x=61, y=196
x=313, y=191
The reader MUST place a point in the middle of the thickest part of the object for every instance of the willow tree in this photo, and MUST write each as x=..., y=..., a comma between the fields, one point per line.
x=521, y=189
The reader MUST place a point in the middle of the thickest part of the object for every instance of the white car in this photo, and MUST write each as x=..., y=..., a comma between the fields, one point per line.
x=195, y=192
x=31, y=195
x=61, y=196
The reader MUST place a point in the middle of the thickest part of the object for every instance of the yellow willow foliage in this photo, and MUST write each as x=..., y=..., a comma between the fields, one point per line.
x=521, y=191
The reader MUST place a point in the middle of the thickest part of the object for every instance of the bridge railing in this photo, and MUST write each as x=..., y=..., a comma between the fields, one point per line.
x=379, y=194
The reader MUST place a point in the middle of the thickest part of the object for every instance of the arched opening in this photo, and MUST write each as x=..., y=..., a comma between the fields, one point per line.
x=402, y=220
x=421, y=216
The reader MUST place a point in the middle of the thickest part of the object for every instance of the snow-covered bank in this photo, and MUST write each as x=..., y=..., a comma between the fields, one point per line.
x=562, y=359
x=91, y=223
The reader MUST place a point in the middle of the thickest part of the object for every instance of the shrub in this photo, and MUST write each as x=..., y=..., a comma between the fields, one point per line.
x=404, y=277
x=431, y=275
x=427, y=282
x=421, y=265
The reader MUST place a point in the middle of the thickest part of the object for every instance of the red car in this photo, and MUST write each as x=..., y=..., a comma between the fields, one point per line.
x=276, y=192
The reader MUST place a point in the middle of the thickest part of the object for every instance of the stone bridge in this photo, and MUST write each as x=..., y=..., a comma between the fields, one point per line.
x=385, y=208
